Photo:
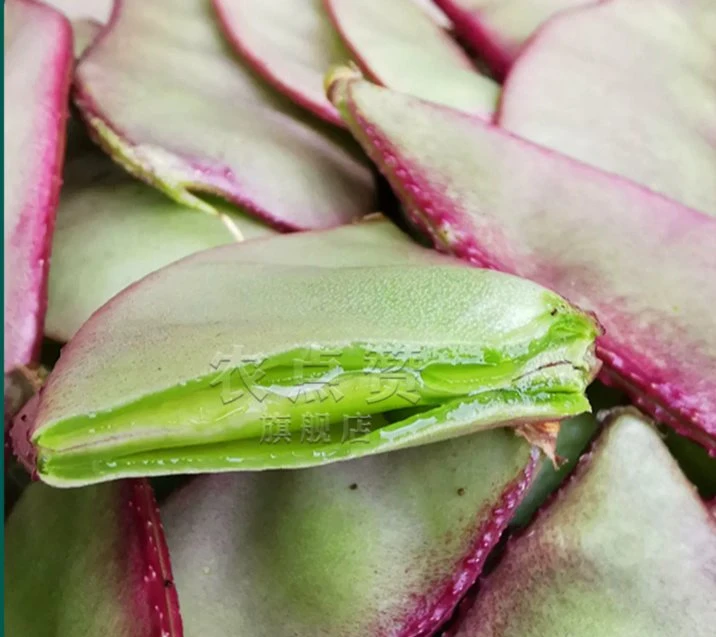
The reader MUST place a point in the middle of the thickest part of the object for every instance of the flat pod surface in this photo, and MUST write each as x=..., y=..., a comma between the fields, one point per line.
x=164, y=93
x=643, y=263
x=378, y=546
x=399, y=45
x=84, y=31
x=290, y=43
x=497, y=29
x=89, y=562
x=283, y=330
x=96, y=10
x=38, y=63
x=628, y=86
x=113, y=230
x=627, y=549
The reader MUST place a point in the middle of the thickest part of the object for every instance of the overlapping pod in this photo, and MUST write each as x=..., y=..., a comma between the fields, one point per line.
x=399, y=45
x=112, y=230
x=167, y=98
x=90, y=561
x=627, y=548
x=497, y=29
x=290, y=43
x=303, y=350
x=382, y=545
x=657, y=127
x=644, y=264
x=38, y=63
x=385, y=545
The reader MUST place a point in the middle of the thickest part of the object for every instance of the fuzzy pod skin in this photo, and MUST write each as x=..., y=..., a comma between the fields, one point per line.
x=399, y=45
x=627, y=548
x=385, y=545
x=498, y=29
x=89, y=562
x=659, y=131
x=38, y=64
x=303, y=350
x=290, y=43
x=644, y=264
x=166, y=97
x=112, y=230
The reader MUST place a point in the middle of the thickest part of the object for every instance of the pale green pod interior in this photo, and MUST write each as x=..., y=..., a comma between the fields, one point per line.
x=310, y=331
